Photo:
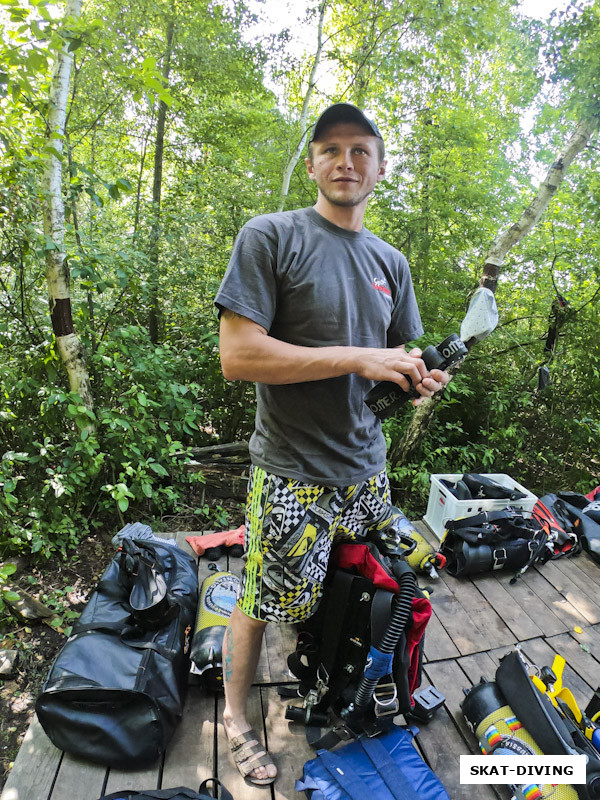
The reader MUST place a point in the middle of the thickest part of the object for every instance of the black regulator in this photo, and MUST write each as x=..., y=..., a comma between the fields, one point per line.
x=386, y=397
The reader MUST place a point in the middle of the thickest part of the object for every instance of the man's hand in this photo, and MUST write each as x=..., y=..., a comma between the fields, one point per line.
x=406, y=369
x=434, y=382
x=248, y=353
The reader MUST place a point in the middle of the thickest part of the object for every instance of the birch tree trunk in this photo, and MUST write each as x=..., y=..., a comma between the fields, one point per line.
x=504, y=242
x=68, y=344
x=153, y=318
x=303, y=126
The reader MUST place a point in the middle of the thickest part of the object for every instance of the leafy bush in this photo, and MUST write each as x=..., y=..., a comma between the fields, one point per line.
x=59, y=482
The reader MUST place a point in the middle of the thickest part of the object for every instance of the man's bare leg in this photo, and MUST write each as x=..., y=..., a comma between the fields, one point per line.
x=241, y=650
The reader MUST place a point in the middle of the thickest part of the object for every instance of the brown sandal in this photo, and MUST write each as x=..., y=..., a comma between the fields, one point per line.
x=248, y=756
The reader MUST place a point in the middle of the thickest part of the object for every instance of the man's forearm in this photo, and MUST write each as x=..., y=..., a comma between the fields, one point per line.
x=261, y=358
x=249, y=353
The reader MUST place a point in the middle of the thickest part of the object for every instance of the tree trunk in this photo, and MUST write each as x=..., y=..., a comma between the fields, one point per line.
x=68, y=344
x=412, y=437
x=153, y=319
x=302, y=122
x=510, y=238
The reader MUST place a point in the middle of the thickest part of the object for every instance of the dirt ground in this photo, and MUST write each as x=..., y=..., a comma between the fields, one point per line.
x=63, y=585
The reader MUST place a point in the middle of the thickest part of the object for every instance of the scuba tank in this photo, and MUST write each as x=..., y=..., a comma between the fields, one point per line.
x=499, y=732
x=218, y=595
x=523, y=715
x=399, y=537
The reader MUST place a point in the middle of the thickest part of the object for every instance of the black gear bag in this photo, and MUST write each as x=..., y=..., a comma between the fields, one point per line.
x=493, y=540
x=115, y=692
x=179, y=793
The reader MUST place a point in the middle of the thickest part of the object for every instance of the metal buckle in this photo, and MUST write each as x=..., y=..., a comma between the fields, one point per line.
x=343, y=733
x=386, y=699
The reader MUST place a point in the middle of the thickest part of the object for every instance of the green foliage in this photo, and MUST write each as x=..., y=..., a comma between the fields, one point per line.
x=6, y=594
x=449, y=85
x=149, y=410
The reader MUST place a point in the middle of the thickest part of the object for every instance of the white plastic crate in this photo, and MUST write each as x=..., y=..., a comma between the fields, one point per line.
x=443, y=505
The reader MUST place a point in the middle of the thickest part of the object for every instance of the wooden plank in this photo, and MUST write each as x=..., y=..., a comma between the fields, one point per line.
x=585, y=564
x=578, y=659
x=438, y=644
x=561, y=607
x=423, y=528
x=583, y=572
x=456, y=621
x=590, y=637
x=287, y=744
x=499, y=652
x=535, y=607
x=190, y=757
x=481, y=614
x=228, y=773
x=566, y=586
x=503, y=599
x=451, y=680
x=78, y=780
x=279, y=642
x=144, y=778
x=180, y=538
x=440, y=740
x=35, y=767
x=478, y=666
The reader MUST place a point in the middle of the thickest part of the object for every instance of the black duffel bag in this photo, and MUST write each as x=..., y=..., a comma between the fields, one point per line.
x=115, y=692
x=179, y=793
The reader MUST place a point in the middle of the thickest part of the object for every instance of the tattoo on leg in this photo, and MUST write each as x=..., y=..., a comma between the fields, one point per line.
x=228, y=666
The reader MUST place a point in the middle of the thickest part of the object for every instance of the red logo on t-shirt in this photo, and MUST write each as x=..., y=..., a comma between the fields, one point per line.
x=381, y=286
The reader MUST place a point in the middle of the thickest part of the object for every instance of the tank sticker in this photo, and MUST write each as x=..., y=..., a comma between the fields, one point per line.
x=221, y=596
x=512, y=746
x=513, y=723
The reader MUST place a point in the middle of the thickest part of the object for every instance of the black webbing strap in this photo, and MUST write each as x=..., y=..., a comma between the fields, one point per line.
x=100, y=626
x=331, y=634
x=127, y=634
x=479, y=519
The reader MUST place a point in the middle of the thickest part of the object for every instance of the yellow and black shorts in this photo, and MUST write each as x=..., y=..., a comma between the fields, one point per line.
x=290, y=527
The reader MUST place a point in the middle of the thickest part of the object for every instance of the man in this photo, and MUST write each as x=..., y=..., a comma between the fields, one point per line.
x=314, y=309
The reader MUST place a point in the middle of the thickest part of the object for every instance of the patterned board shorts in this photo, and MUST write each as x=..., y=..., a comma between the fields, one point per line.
x=290, y=527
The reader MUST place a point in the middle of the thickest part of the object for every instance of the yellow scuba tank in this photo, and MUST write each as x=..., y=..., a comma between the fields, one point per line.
x=218, y=595
x=499, y=732
x=420, y=554
x=395, y=535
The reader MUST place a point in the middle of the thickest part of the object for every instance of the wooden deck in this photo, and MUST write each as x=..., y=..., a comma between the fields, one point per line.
x=475, y=622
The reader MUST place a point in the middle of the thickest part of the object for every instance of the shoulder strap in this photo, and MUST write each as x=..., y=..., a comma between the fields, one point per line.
x=391, y=774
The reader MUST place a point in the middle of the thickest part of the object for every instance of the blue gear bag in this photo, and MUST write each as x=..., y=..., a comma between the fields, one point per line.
x=386, y=767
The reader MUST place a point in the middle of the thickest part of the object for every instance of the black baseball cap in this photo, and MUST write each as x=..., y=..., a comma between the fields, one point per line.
x=343, y=112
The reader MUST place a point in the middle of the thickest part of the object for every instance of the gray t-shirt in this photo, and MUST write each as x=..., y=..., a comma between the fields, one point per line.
x=310, y=283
